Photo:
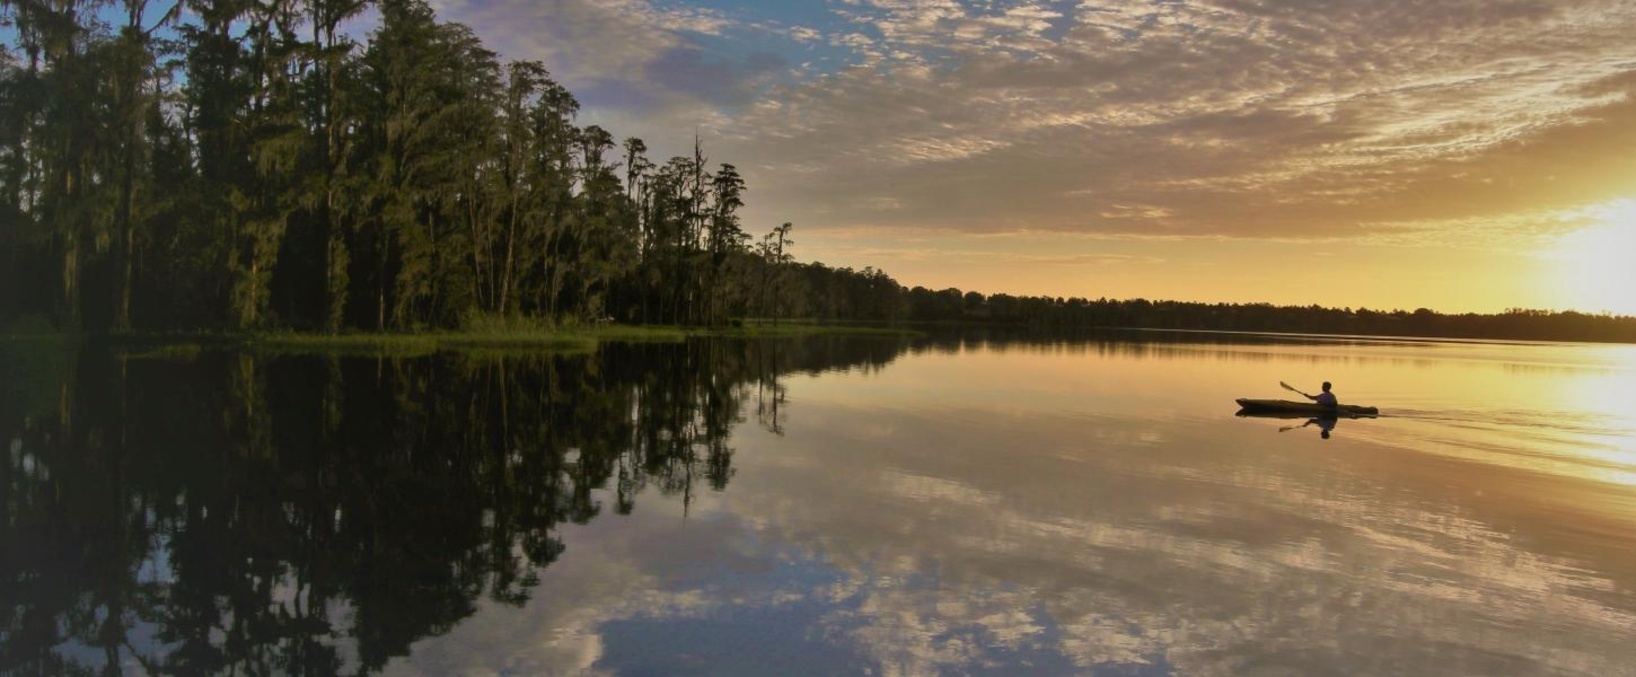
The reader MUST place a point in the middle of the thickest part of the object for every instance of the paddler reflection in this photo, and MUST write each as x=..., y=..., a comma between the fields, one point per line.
x=1324, y=423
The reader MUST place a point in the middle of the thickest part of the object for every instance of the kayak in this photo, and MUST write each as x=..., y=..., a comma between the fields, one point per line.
x=1295, y=416
x=1248, y=406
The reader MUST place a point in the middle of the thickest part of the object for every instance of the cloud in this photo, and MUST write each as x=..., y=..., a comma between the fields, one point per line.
x=659, y=69
x=701, y=76
x=1188, y=118
x=627, y=34
x=1226, y=117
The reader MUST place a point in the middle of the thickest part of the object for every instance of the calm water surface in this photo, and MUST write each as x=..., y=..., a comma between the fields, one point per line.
x=833, y=506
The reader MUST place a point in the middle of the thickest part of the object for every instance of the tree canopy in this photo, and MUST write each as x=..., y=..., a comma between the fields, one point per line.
x=258, y=168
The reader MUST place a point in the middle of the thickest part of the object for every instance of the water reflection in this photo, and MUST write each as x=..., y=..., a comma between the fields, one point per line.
x=1143, y=530
x=835, y=506
x=211, y=512
x=1324, y=424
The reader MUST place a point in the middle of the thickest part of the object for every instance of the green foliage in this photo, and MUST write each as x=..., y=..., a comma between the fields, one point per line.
x=485, y=323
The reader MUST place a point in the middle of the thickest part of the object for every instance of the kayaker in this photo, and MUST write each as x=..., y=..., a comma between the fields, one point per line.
x=1324, y=398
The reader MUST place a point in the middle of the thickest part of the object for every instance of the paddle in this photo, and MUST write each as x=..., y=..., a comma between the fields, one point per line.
x=1290, y=387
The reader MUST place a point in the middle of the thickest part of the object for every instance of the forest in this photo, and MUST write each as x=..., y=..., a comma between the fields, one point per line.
x=250, y=165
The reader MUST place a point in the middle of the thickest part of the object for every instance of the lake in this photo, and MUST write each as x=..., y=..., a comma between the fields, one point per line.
x=946, y=505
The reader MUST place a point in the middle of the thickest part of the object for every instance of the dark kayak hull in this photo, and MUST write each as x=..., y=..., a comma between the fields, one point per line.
x=1286, y=407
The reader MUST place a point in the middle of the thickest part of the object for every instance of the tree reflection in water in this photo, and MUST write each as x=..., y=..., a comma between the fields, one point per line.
x=208, y=512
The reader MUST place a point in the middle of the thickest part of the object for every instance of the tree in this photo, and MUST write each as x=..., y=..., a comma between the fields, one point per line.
x=432, y=88
x=775, y=257
x=726, y=238
x=553, y=219
x=61, y=126
x=134, y=95
x=330, y=119
x=609, y=228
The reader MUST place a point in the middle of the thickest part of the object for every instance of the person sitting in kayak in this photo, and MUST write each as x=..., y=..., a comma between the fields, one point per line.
x=1324, y=398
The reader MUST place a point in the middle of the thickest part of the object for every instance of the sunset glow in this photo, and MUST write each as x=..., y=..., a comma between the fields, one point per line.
x=1595, y=264
x=1406, y=155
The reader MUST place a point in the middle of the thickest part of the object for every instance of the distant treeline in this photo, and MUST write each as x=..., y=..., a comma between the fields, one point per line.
x=1076, y=314
x=248, y=165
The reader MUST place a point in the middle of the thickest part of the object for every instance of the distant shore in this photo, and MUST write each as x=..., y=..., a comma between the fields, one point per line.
x=533, y=336
x=525, y=338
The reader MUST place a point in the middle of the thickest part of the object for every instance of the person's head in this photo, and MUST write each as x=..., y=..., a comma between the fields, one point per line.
x=1326, y=386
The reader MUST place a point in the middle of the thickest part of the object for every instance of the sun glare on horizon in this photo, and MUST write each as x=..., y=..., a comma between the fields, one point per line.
x=1596, y=265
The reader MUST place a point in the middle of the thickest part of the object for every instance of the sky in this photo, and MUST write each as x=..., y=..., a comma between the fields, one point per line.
x=1457, y=155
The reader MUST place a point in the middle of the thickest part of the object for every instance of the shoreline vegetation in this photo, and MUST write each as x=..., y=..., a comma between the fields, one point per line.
x=526, y=335
x=266, y=178
x=502, y=337
x=535, y=338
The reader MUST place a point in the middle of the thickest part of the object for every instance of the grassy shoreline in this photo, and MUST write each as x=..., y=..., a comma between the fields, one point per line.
x=520, y=338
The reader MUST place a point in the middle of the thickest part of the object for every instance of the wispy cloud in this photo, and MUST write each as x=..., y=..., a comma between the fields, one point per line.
x=632, y=60
x=1210, y=117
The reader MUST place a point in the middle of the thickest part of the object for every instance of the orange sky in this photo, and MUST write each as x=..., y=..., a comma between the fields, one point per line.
x=1460, y=155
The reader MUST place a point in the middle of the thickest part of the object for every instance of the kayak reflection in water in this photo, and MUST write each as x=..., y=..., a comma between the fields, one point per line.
x=1325, y=424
